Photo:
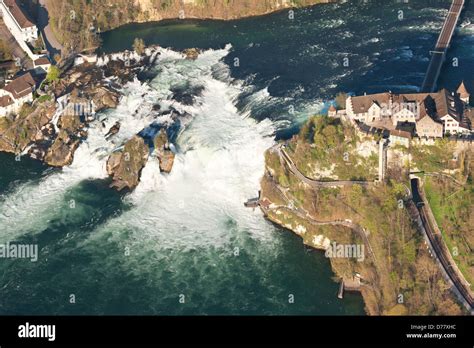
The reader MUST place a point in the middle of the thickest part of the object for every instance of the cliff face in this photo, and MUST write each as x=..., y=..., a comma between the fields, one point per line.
x=75, y=22
x=217, y=9
x=398, y=275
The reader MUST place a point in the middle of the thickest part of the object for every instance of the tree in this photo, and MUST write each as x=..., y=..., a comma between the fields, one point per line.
x=409, y=252
x=139, y=46
x=356, y=194
x=330, y=135
x=5, y=52
x=341, y=100
x=53, y=74
x=39, y=44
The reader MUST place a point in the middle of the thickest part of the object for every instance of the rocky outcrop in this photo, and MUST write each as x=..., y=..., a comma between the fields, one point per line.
x=104, y=98
x=32, y=129
x=125, y=166
x=163, y=152
x=191, y=53
x=51, y=131
x=113, y=130
x=72, y=129
x=86, y=85
x=28, y=127
x=121, y=70
x=61, y=153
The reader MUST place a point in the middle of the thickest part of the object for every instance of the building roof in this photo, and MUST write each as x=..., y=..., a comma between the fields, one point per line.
x=385, y=133
x=8, y=65
x=332, y=108
x=436, y=105
x=430, y=118
x=401, y=134
x=18, y=14
x=21, y=86
x=5, y=101
x=448, y=104
x=363, y=103
x=462, y=91
x=42, y=61
x=406, y=127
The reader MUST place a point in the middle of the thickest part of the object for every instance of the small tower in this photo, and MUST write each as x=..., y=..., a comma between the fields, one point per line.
x=332, y=112
x=463, y=93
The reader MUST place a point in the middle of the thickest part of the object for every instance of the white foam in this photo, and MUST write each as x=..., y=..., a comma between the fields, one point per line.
x=33, y=205
x=219, y=166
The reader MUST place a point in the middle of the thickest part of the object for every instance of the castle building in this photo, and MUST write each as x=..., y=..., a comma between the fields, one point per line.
x=433, y=114
x=332, y=111
x=463, y=93
x=427, y=127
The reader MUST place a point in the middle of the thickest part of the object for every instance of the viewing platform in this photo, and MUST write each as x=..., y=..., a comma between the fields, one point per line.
x=349, y=284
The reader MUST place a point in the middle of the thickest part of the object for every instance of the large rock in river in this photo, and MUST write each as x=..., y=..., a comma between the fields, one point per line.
x=163, y=151
x=125, y=166
x=104, y=98
x=61, y=153
x=71, y=132
x=191, y=53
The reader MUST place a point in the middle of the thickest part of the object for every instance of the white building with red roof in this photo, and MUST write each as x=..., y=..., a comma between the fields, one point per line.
x=16, y=93
x=20, y=25
x=17, y=21
x=42, y=65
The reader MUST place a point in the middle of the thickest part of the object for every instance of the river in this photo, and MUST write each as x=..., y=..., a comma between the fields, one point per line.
x=183, y=243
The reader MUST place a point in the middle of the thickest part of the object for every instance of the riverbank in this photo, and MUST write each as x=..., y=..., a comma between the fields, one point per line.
x=66, y=108
x=187, y=232
x=71, y=21
x=375, y=219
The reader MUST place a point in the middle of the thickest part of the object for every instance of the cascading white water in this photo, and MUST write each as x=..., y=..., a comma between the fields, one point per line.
x=218, y=165
x=33, y=205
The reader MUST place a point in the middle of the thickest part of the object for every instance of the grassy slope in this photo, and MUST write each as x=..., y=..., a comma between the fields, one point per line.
x=334, y=149
x=453, y=208
x=452, y=204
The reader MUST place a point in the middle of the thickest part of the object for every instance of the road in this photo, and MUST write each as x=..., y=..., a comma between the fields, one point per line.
x=439, y=248
x=444, y=40
x=52, y=44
